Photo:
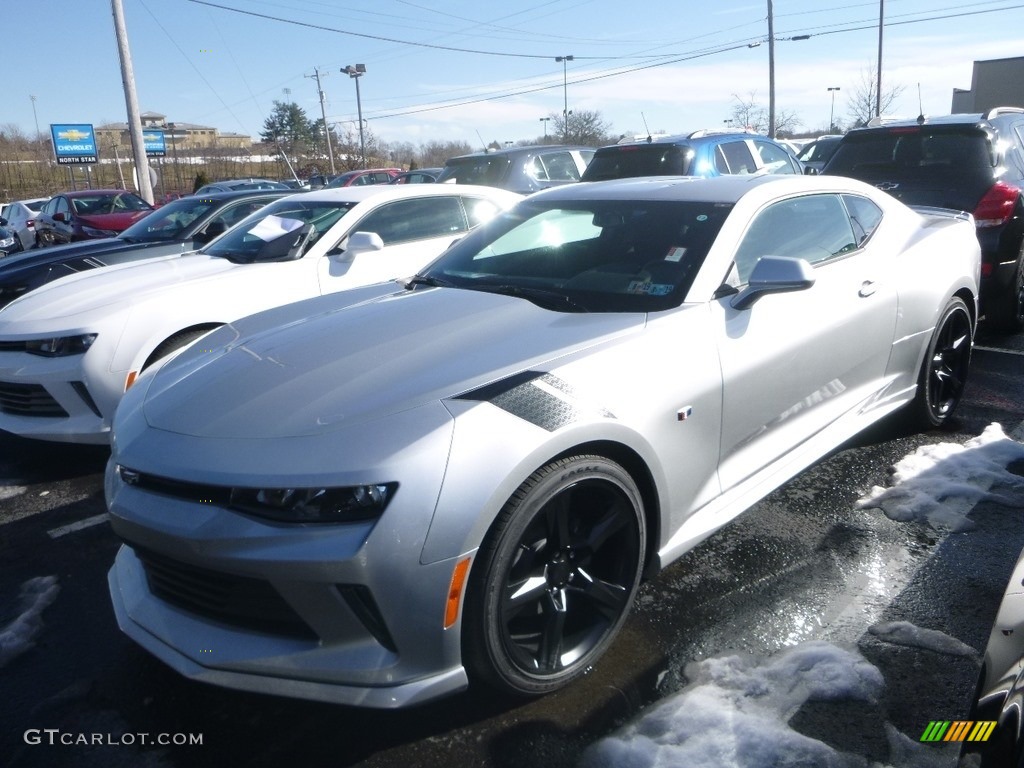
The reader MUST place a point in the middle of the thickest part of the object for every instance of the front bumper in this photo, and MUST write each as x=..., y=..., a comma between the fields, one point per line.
x=51, y=399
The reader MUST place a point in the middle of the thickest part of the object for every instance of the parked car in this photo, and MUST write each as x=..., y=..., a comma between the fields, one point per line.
x=240, y=185
x=87, y=214
x=701, y=153
x=383, y=495
x=364, y=177
x=519, y=169
x=20, y=216
x=974, y=163
x=999, y=698
x=70, y=349
x=419, y=176
x=9, y=242
x=183, y=225
x=817, y=153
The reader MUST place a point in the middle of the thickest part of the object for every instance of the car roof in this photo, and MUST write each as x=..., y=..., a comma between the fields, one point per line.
x=690, y=138
x=233, y=194
x=395, y=192
x=508, y=151
x=90, y=192
x=718, y=189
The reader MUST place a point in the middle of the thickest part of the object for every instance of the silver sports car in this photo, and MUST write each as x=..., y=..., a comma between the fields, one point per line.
x=381, y=496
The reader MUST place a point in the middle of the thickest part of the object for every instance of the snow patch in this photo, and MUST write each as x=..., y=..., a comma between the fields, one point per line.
x=17, y=637
x=905, y=633
x=10, y=491
x=924, y=482
x=735, y=713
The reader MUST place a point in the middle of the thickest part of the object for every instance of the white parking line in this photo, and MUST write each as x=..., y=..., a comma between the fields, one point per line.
x=88, y=522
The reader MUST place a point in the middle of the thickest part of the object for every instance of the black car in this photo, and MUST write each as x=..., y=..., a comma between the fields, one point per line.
x=973, y=163
x=180, y=226
x=9, y=242
x=519, y=169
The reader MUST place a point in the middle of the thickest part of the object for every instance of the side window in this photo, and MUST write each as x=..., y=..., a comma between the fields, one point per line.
x=405, y=220
x=865, y=216
x=536, y=169
x=50, y=208
x=734, y=157
x=813, y=227
x=561, y=167
x=61, y=205
x=774, y=159
x=231, y=215
x=479, y=210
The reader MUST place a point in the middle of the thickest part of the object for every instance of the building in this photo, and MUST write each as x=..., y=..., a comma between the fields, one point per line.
x=994, y=83
x=177, y=136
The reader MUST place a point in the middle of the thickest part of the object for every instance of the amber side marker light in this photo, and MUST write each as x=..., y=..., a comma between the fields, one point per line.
x=451, y=608
x=132, y=376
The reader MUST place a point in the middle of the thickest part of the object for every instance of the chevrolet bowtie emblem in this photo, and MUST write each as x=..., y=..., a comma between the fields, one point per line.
x=887, y=186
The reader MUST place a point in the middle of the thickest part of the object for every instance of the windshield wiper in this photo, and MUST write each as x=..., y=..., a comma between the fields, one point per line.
x=433, y=282
x=539, y=296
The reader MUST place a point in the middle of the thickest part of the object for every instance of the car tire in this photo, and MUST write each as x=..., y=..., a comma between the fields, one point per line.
x=943, y=374
x=555, y=577
x=175, y=342
x=1008, y=314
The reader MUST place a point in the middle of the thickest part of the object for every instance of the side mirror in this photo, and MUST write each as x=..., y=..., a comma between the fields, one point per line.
x=809, y=171
x=59, y=217
x=361, y=242
x=774, y=274
x=3, y=222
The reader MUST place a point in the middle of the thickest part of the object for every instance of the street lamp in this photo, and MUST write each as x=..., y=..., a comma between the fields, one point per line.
x=355, y=72
x=831, y=115
x=565, y=95
x=545, y=120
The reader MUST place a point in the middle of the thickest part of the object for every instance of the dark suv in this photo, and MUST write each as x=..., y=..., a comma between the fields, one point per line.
x=701, y=153
x=973, y=163
x=519, y=169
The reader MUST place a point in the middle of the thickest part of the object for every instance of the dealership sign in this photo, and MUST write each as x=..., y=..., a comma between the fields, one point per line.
x=154, y=143
x=73, y=143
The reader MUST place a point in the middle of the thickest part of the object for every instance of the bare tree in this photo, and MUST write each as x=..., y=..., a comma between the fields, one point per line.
x=434, y=153
x=748, y=114
x=862, y=102
x=581, y=126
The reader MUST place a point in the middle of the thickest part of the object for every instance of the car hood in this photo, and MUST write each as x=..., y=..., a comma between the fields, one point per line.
x=115, y=222
x=59, y=254
x=96, y=290
x=359, y=361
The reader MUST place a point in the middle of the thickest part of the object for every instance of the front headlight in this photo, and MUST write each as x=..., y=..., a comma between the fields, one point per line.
x=314, y=505
x=93, y=232
x=6, y=242
x=60, y=346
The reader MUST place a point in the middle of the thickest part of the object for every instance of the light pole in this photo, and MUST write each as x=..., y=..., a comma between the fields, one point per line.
x=565, y=95
x=35, y=116
x=832, y=114
x=355, y=72
x=545, y=120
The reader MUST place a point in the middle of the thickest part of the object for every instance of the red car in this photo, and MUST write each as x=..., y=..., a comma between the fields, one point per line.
x=368, y=176
x=87, y=214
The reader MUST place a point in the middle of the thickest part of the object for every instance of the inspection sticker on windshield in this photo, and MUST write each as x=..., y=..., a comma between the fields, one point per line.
x=646, y=288
x=273, y=227
x=675, y=254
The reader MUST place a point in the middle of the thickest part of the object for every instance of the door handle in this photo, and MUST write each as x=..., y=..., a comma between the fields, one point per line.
x=867, y=288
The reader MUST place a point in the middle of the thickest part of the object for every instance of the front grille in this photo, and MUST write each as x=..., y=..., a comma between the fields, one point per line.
x=237, y=600
x=28, y=400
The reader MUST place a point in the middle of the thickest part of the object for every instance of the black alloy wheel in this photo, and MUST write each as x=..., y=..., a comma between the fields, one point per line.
x=555, y=577
x=947, y=361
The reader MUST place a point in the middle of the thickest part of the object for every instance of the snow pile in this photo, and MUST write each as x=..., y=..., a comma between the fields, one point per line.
x=16, y=638
x=905, y=633
x=734, y=713
x=924, y=482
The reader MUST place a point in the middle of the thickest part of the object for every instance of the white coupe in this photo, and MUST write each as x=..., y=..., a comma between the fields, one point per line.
x=70, y=349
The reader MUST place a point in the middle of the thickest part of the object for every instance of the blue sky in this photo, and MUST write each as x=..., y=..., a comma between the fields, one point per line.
x=453, y=69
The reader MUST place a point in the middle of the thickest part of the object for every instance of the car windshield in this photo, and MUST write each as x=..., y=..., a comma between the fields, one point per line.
x=282, y=230
x=634, y=160
x=115, y=202
x=485, y=170
x=169, y=221
x=586, y=255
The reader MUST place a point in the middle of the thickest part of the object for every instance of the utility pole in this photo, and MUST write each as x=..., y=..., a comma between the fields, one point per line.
x=323, y=114
x=771, y=71
x=878, y=86
x=132, y=103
